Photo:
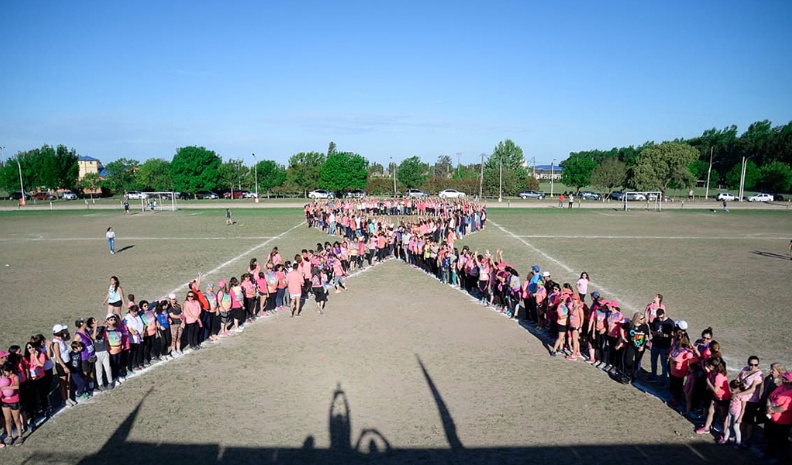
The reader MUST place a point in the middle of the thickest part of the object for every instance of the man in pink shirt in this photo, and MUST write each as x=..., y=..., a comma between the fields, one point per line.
x=294, y=283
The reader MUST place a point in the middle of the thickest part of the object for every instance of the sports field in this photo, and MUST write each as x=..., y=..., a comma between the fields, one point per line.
x=428, y=375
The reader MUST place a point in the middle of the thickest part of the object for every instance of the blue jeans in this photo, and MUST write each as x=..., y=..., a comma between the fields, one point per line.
x=111, y=243
x=662, y=354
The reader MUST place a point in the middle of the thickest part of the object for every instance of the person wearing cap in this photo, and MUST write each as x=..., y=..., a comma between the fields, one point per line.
x=779, y=419
x=61, y=357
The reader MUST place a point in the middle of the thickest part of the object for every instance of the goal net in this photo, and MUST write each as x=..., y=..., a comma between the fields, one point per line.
x=159, y=201
x=647, y=200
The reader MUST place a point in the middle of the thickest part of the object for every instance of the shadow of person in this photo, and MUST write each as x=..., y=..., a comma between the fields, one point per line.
x=124, y=249
x=340, y=425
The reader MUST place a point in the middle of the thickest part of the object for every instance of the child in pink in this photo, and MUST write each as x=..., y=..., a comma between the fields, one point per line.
x=732, y=422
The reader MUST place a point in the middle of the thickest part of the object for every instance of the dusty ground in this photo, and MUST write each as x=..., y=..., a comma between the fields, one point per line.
x=427, y=374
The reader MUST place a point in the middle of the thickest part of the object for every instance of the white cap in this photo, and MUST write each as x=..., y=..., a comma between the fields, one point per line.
x=682, y=324
x=546, y=274
x=58, y=328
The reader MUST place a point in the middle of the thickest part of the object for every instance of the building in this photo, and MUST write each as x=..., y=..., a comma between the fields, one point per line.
x=89, y=165
x=548, y=171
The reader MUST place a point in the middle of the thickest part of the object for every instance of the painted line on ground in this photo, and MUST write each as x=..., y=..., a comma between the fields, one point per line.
x=138, y=238
x=625, y=304
x=240, y=256
x=574, y=236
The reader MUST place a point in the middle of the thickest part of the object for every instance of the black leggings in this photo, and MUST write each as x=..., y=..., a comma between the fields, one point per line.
x=192, y=333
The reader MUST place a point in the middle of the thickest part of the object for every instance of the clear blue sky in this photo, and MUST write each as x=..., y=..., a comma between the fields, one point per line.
x=140, y=79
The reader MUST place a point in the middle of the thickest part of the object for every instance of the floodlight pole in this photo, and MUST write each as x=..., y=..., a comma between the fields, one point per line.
x=21, y=185
x=255, y=170
x=709, y=171
x=481, y=178
x=500, y=185
x=742, y=178
x=552, y=172
x=393, y=165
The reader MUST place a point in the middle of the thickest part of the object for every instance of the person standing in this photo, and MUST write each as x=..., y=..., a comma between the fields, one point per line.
x=750, y=379
x=110, y=235
x=662, y=332
x=779, y=420
x=126, y=207
x=571, y=199
x=228, y=217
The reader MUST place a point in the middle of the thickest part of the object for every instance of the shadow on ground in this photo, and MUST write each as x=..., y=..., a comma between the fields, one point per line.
x=370, y=447
x=770, y=254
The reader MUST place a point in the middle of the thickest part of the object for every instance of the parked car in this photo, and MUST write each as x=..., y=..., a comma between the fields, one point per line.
x=451, y=194
x=235, y=194
x=616, y=195
x=136, y=195
x=725, y=196
x=18, y=196
x=588, y=195
x=634, y=196
x=355, y=194
x=761, y=198
x=206, y=195
x=68, y=195
x=249, y=195
x=778, y=197
x=415, y=193
x=44, y=196
x=321, y=194
x=529, y=194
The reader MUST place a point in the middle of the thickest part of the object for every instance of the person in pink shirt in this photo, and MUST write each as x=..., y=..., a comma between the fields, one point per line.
x=653, y=306
x=718, y=390
x=614, y=322
x=779, y=419
x=338, y=274
x=294, y=283
x=680, y=358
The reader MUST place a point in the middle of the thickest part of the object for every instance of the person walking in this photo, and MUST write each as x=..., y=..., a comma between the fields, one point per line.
x=228, y=217
x=110, y=235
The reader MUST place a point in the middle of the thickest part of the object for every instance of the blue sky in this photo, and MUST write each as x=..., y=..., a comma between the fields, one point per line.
x=385, y=79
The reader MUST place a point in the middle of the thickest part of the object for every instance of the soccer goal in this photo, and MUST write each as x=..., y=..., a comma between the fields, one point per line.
x=159, y=201
x=652, y=200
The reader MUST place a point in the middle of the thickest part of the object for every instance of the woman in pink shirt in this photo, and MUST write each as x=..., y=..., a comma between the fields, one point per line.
x=294, y=283
x=718, y=390
x=192, y=318
x=680, y=358
x=651, y=307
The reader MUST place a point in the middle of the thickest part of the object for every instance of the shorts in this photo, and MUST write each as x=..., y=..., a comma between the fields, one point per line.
x=752, y=414
x=294, y=296
x=59, y=370
x=721, y=403
x=562, y=329
x=87, y=366
x=12, y=405
x=319, y=294
x=116, y=304
x=175, y=330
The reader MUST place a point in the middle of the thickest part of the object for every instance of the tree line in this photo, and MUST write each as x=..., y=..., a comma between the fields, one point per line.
x=648, y=167
x=717, y=154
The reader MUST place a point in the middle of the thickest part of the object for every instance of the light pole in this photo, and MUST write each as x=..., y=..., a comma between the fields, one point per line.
x=481, y=178
x=393, y=165
x=552, y=173
x=742, y=176
x=255, y=170
x=500, y=182
x=21, y=185
x=709, y=171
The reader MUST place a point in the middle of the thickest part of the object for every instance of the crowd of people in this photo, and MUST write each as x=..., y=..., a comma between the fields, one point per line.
x=44, y=374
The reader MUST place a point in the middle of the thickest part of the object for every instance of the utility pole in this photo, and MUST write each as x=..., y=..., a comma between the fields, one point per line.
x=481, y=177
x=709, y=171
x=255, y=170
x=500, y=183
x=552, y=175
x=458, y=155
x=393, y=165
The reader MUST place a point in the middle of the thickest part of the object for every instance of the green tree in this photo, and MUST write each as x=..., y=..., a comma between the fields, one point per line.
x=577, y=171
x=50, y=167
x=331, y=148
x=610, y=173
x=232, y=173
x=376, y=169
x=752, y=176
x=515, y=174
x=776, y=177
x=661, y=165
x=154, y=174
x=303, y=170
x=270, y=175
x=90, y=182
x=699, y=169
x=195, y=168
x=121, y=175
x=467, y=172
x=344, y=171
x=412, y=172
x=443, y=167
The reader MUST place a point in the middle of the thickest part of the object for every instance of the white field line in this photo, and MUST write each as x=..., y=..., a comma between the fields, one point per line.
x=240, y=256
x=574, y=236
x=568, y=269
x=731, y=364
x=53, y=239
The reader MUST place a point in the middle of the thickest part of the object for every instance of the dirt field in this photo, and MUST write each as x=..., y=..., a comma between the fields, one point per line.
x=428, y=375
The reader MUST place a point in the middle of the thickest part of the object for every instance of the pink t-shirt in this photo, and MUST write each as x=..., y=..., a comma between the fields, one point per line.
x=192, y=310
x=721, y=382
x=680, y=361
x=294, y=281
